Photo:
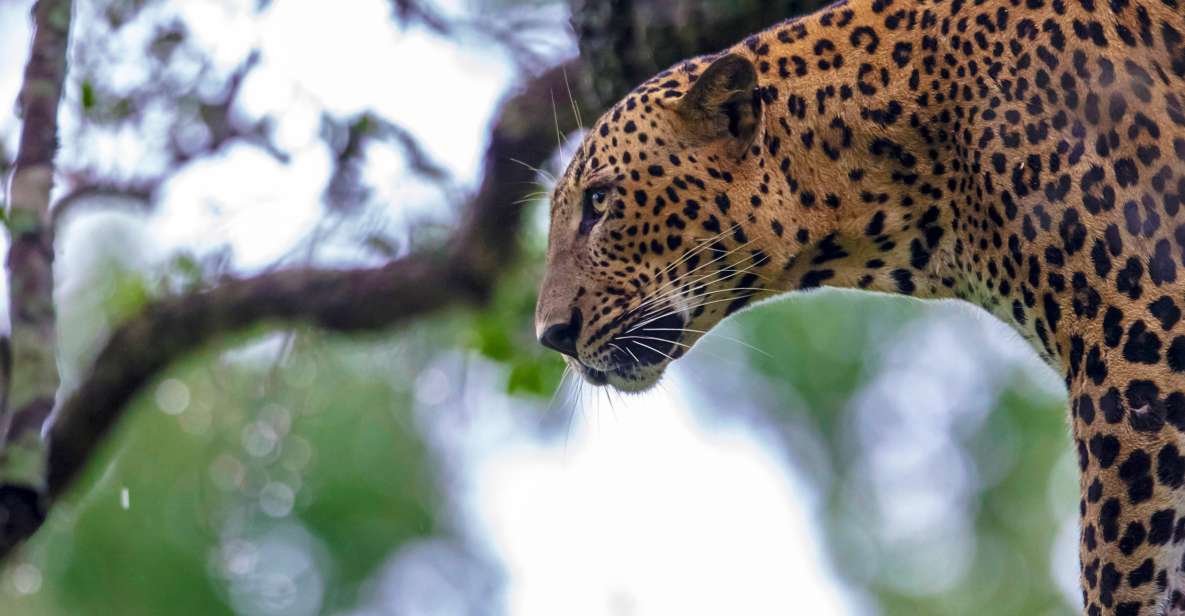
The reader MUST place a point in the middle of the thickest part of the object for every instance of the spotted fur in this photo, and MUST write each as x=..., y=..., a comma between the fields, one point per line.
x=1024, y=155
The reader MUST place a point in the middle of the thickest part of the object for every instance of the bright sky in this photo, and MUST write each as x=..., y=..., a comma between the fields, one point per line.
x=13, y=44
x=366, y=67
x=647, y=511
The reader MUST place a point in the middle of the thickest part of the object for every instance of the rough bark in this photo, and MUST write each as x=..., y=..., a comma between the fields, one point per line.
x=34, y=377
x=28, y=358
x=624, y=42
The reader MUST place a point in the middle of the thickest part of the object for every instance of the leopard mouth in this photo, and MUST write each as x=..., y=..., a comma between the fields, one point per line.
x=637, y=354
x=650, y=342
x=592, y=375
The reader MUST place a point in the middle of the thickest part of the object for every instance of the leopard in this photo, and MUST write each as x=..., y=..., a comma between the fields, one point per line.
x=1023, y=156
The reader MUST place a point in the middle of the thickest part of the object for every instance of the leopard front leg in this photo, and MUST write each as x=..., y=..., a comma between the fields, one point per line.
x=1132, y=461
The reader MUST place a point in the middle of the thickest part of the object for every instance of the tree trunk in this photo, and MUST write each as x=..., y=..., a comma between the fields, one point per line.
x=624, y=42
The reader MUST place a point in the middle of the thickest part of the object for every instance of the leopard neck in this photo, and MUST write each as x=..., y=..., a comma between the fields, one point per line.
x=872, y=140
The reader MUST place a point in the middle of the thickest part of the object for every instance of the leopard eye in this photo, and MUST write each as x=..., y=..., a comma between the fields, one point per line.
x=596, y=201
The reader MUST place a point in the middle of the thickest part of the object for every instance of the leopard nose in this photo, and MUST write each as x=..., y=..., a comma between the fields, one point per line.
x=562, y=337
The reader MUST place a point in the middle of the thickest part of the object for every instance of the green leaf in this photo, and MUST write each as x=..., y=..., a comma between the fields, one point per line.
x=535, y=377
x=492, y=340
x=129, y=294
x=89, y=99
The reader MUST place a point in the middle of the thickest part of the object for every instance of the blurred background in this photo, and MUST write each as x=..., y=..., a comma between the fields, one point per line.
x=835, y=453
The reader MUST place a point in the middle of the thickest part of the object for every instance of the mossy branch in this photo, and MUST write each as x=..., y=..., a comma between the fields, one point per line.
x=28, y=368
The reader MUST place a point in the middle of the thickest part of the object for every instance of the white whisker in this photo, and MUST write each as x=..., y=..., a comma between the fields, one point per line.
x=690, y=292
x=665, y=293
x=644, y=345
x=686, y=346
x=703, y=265
x=690, y=288
x=549, y=177
x=708, y=335
x=706, y=294
x=703, y=245
x=717, y=301
x=572, y=99
x=626, y=350
x=559, y=135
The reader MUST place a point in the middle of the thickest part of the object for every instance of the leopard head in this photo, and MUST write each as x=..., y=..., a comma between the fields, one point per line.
x=645, y=254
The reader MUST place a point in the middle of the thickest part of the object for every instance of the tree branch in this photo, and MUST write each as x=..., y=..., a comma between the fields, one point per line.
x=624, y=42
x=30, y=255
x=462, y=272
x=88, y=192
x=28, y=361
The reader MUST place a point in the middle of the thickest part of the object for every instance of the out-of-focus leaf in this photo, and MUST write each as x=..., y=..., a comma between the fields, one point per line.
x=209, y=461
x=129, y=293
x=505, y=333
x=535, y=377
x=88, y=96
x=382, y=245
x=492, y=339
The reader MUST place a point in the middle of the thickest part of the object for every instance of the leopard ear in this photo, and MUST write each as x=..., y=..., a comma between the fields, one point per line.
x=723, y=104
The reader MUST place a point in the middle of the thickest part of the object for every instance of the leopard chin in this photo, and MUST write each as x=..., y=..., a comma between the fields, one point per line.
x=633, y=379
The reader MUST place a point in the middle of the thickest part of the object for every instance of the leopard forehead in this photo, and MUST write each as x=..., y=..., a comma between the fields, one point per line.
x=637, y=129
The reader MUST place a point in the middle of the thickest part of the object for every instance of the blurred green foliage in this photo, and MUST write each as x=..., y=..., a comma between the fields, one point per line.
x=223, y=452
x=505, y=333
x=819, y=354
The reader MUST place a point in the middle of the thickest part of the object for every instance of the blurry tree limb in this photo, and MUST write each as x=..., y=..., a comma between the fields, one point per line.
x=222, y=126
x=28, y=357
x=30, y=373
x=206, y=126
x=346, y=189
x=5, y=166
x=505, y=27
x=86, y=193
x=413, y=11
x=625, y=42
x=462, y=271
x=419, y=160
